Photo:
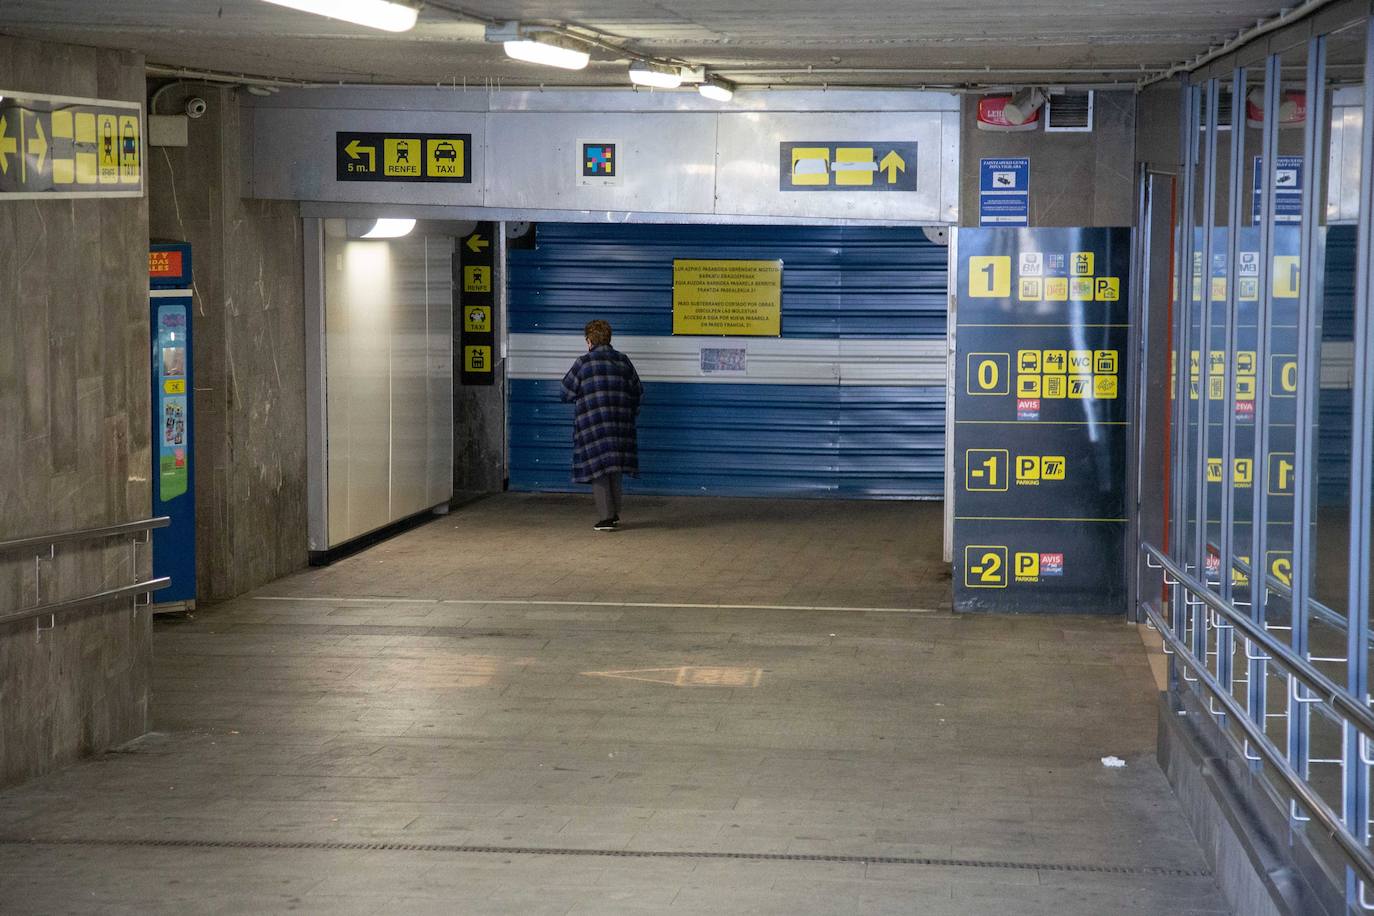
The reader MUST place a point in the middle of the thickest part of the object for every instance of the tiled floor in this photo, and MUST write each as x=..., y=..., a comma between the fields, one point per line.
x=557, y=721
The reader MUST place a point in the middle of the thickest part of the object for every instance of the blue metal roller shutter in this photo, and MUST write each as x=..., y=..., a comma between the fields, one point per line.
x=848, y=293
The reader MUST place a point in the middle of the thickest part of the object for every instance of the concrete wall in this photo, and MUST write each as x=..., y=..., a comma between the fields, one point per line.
x=1077, y=179
x=250, y=350
x=1156, y=125
x=74, y=439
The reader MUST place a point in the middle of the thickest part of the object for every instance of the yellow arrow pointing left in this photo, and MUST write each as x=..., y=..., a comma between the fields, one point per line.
x=8, y=146
x=476, y=243
x=38, y=146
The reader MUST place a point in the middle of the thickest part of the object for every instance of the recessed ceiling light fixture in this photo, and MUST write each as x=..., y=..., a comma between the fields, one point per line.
x=534, y=46
x=717, y=89
x=656, y=76
x=390, y=229
x=387, y=15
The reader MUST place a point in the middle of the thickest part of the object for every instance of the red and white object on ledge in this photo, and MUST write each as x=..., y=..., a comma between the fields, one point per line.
x=1292, y=108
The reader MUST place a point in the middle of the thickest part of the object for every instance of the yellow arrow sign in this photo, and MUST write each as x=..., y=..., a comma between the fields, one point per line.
x=892, y=164
x=355, y=151
x=8, y=146
x=476, y=243
x=38, y=145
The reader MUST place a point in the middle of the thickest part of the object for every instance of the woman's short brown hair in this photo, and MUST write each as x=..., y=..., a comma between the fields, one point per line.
x=598, y=332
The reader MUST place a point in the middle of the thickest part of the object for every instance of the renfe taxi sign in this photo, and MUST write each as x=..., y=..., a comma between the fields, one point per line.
x=57, y=146
x=403, y=157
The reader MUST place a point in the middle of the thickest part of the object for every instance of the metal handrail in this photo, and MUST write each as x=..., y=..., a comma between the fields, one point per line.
x=1355, y=852
x=114, y=594
x=84, y=534
x=1337, y=697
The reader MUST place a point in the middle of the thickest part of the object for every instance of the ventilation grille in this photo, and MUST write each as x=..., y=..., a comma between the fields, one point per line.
x=1224, y=111
x=1069, y=111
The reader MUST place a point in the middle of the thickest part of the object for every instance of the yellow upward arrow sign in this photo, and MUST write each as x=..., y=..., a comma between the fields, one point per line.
x=38, y=145
x=476, y=243
x=8, y=146
x=892, y=164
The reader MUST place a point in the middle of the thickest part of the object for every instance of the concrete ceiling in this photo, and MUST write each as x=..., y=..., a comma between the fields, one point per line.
x=843, y=42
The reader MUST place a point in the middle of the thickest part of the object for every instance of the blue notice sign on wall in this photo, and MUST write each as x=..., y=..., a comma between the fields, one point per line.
x=1004, y=192
x=1287, y=190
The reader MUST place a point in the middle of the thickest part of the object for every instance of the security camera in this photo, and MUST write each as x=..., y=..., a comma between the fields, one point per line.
x=196, y=107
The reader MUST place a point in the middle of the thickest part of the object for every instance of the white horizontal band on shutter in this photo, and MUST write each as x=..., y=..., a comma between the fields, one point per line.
x=771, y=360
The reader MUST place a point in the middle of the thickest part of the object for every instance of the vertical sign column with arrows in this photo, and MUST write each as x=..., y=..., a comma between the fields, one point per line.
x=477, y=306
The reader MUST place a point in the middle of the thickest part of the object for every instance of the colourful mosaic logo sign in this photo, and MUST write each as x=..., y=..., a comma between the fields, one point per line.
x=598, y=160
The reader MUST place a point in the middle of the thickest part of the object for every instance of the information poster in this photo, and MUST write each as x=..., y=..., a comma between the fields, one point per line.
x=1004, y=192
x=727, y=298
x=1041, y=421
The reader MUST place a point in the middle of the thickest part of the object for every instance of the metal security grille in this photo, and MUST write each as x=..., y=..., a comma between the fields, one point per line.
x=849, y=402
x=1259, y=580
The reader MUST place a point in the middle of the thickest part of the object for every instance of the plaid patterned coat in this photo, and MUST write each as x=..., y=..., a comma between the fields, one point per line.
x=605, y=391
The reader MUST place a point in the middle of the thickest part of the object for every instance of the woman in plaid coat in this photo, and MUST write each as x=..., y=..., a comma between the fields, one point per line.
x=605, y=391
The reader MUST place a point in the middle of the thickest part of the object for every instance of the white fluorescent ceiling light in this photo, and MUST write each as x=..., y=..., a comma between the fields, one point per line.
x=544, y=51
x=717, y=89
x=656, y=76
x=390, y=229
x=377, y=14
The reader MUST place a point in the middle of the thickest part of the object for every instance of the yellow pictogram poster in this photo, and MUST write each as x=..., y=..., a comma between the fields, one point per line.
x=53, y=146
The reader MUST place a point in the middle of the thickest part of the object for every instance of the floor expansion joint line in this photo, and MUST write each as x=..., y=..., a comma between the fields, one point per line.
x=522, y=602
x=330, y=846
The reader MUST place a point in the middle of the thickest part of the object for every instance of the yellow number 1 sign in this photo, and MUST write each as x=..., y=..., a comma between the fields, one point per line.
x=989, y=277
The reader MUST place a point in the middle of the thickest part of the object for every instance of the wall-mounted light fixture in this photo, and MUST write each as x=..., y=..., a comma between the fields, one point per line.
x=387, y=15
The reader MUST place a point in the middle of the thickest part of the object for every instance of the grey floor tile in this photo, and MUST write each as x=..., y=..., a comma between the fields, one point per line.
x=428, y=739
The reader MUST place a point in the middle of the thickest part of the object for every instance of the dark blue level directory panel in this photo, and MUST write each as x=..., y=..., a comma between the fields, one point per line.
x=1041, y=420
